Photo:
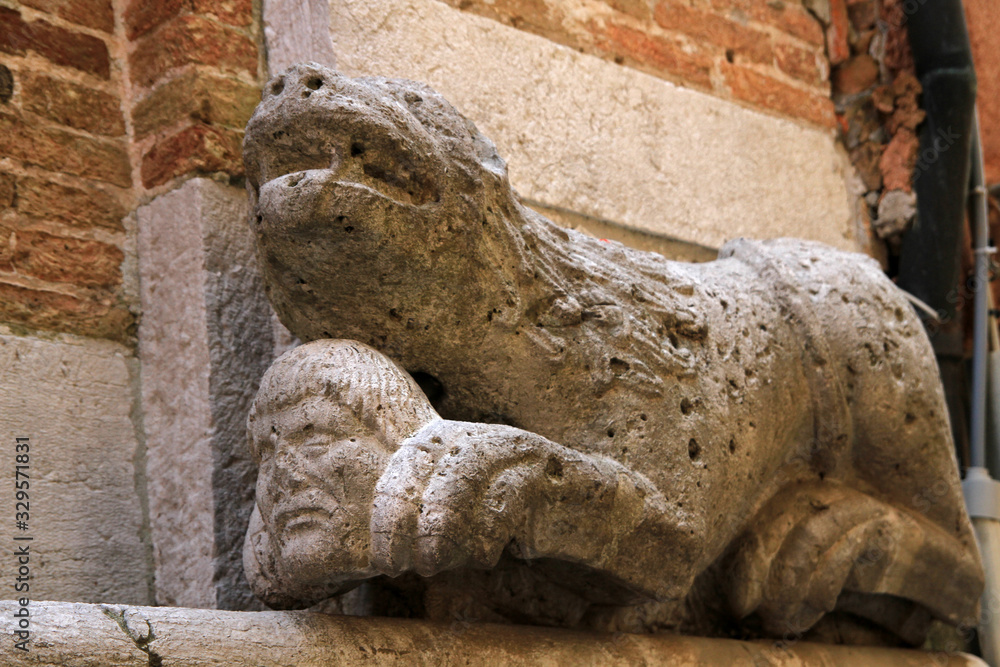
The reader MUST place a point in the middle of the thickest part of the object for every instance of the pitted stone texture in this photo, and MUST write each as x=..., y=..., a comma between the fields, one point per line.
x=205, y=340
x=73, y=399
x=589, y=136
x=757, y=442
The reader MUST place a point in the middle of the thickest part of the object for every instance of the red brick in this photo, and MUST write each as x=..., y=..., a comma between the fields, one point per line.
x=798, y=62
x=96, y=14
x=61, y=259
x=763, y=91
x=898, y=160
x=640, y=9
x=609, y=38
x=659, y=54
x=8, y=242
x=6, y=84
x=192, y=40
x=87, y=314
x=706, y=26
x=200, y=148
x=88, y=205
x=62, y=47
x=863, y=14
x=62, y=151
x=197, y=96
x=794, y=20
x=231, y=12
x=141, y=16
x=857, y=74
x=789, y=17
x=535, y=16
x=8, y=191
x=72, y=105
x=837, y=48
x=898, y=55
x=15, y=35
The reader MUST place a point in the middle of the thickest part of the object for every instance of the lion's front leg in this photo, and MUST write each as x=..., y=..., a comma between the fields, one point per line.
x=359, y=476
x=457, y=494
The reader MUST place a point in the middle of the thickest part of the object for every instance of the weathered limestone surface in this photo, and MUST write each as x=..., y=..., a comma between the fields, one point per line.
x=72, y=398
x=84, y=635
x=205, y=340
x=297, y=30
x=759, y=444
x=586, y=135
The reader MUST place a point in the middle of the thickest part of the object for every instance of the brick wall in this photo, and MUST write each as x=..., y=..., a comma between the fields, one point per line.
x=65, y=174
x=193, y=72
x=103, y=104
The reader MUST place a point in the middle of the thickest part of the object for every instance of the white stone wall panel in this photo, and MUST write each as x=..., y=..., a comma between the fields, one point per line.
x=586, y=135
x=72, y=397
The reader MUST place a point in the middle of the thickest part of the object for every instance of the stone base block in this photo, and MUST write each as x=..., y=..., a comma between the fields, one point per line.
x=85, y=635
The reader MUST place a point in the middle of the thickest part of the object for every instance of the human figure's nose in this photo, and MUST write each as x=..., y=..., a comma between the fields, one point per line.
x=288, y=469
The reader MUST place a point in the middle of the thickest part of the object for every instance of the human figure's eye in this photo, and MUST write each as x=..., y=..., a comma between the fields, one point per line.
x=315, y=448
x=264, y=446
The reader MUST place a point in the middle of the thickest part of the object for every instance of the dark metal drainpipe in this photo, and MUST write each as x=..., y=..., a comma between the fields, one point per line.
x=929, y=259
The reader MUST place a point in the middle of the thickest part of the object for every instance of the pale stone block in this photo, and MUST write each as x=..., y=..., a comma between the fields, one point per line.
x=588, y=136
x=205, y=340
x=79, y=635
x=297, y=31
x=73, y=398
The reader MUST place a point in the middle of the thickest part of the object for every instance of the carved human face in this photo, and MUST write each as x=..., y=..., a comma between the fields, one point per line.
x=318, y=470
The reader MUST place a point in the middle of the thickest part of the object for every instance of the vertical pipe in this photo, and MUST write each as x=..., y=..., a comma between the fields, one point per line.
x=929, y=260
x=981, y=323
x=982, y=494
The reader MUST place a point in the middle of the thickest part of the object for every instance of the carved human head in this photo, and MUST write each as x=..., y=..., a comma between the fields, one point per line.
x=326, y=419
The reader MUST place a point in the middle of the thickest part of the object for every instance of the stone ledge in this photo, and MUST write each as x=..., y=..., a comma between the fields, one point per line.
x=85, y=635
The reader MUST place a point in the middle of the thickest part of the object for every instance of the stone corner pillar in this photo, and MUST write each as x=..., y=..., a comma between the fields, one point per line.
x=205, y=339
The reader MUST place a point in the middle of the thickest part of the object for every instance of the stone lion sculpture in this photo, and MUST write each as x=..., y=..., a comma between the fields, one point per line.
x=549, y=428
